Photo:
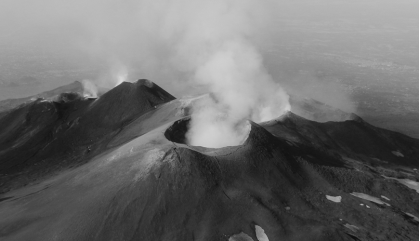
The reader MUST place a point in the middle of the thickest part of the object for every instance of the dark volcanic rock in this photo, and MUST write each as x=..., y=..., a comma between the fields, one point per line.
x=42, y=137
x=352, y=137
x=134, y=178
x=7, y=105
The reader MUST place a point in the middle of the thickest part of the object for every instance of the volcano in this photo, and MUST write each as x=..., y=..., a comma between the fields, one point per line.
x=119, y=168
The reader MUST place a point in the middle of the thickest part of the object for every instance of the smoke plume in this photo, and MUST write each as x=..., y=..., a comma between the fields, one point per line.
x=206, y=43
x=216, y=47
x=241, y=89
x=211, y=43
x=89, y=89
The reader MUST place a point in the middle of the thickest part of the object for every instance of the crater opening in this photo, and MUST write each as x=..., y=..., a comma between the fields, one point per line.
x=210, y=137
x=178, y=130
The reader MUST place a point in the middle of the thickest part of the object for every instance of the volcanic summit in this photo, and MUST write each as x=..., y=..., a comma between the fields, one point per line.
x=119, y=167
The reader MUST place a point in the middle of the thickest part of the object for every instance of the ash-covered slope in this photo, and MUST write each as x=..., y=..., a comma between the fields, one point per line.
x=317, y=111
x=75, y=87
x=140, y=181
x=45, y=136
x=351, y=138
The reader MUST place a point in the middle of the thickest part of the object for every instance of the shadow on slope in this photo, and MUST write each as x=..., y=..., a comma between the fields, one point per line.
x=352, y=138
x=140, y=181
x=42, y=137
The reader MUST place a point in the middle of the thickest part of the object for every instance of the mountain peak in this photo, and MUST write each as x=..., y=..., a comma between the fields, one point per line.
x=145, y=82
x=121, y=166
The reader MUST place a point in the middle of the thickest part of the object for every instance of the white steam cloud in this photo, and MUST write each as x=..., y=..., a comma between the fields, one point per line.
x=116, y=73
x=90, y=89
x=216, y=47
x=211, y=43
x=241, y=89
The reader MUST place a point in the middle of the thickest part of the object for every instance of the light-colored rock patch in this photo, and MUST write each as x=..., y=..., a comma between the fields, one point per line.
x=414, y=217
x=382, y=196
x=261, y=236
x=397, y=153
x=369, y=198
x=406, y=182
x=351, y=227
x=336, y=199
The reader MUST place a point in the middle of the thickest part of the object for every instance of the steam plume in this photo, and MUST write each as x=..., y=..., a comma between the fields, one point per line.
x=212, y=43
x=217, y=48
x=89, y=89
x=241, y=89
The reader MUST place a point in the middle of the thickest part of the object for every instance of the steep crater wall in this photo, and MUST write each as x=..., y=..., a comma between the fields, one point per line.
x=178, y=130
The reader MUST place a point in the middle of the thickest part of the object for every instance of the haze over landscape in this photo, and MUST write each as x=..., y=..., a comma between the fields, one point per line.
x=359, y=56
x=227, y=120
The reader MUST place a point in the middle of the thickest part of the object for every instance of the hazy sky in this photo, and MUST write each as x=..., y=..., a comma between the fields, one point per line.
x=47, y=43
